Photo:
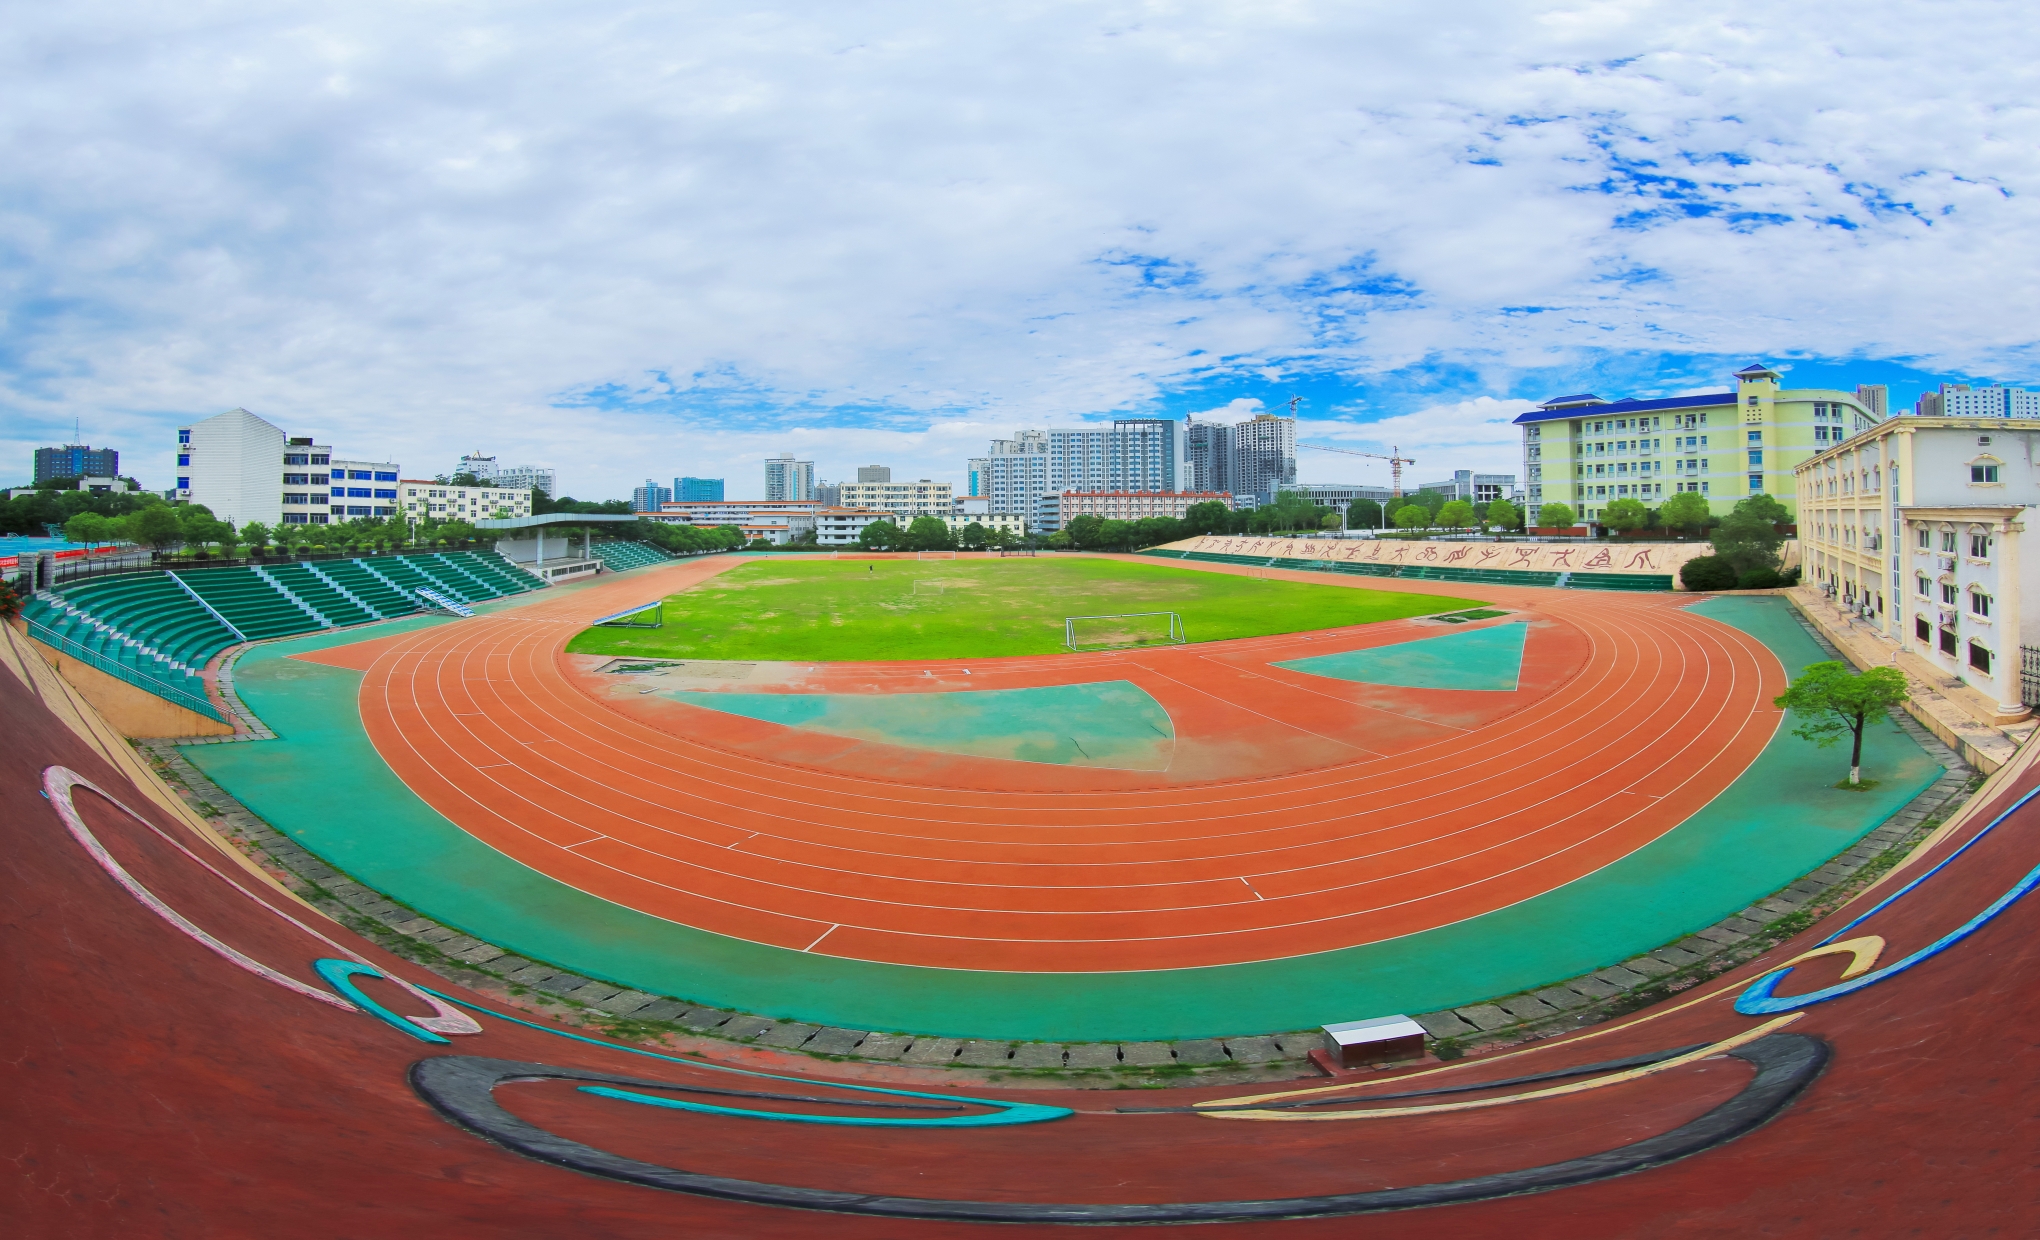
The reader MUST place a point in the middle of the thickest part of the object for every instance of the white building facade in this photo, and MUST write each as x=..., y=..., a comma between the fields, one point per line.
x=1916, y=527
x=905, y=500
x=1960, y=400
x=246, y=469
x=423, y=498
x=1135, y=505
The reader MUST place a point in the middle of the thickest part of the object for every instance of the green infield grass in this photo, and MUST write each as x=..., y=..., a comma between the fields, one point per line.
x=852, y=610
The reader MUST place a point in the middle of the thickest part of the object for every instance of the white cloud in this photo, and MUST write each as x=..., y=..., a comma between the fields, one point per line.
x=421, y=228
x=1477, y=434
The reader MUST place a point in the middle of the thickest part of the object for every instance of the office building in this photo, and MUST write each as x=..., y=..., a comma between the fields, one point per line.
x=788, y=479
x=829, y=494
x=1135, y=505
x=76, y=460
x=474, y=463
x=1474, y=488
x=705, y=512
x=1916, y=526
x=905, y=500
x=1960, y=400
x=1263, y=456
x=689, y=490
x=1339, y=495
x=1132, y=454
x=425, y=498
x=245, y=469
x=651, y=497
x=874, y=473
x=1584, y=451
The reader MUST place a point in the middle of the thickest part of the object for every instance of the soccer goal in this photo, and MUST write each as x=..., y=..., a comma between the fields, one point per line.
x=1140, y=628
x=1006, y=551
x=643, y=616
x=927, y=587
x=934, y=555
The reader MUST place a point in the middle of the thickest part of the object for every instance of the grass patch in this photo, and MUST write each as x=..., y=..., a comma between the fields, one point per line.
x=847, y=611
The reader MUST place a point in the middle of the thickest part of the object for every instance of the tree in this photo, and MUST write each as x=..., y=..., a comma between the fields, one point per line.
x=1083, y=530
x=1555, y=517
x=1503, y=514
x=157, y=526
x=1830, y=700
x=929, y=534
x=1625, y=514
x=88, y=527
x=1455, y=514
x=973, y=537
x=881, y=535
x=1688, y=511
x=1748, y=537
x=1209, y=517
x=1707, y=573
x=1413, y=517
x=255, y=534
x=1363, y=514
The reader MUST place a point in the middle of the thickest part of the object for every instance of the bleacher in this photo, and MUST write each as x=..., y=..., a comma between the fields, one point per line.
x=255, y=606
x=158, y=630
x=1435, y=572
x=618, y=556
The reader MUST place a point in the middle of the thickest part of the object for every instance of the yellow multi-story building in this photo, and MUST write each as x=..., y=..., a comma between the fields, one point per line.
x=1584, y=451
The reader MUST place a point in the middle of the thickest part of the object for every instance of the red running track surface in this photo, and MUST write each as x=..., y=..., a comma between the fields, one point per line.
x=1395, y=824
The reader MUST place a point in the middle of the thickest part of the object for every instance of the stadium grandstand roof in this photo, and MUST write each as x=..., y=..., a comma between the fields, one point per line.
x=553, y=518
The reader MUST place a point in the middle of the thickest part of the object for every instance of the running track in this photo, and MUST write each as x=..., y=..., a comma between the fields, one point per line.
x=1038, y=868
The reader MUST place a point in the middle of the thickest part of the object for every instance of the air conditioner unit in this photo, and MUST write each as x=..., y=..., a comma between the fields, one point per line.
x=1947, y=563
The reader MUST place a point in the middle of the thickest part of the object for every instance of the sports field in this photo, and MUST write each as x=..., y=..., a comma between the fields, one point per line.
x=850, y=610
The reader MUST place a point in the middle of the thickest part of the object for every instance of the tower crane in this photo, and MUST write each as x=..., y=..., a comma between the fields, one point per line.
x=1396, y=460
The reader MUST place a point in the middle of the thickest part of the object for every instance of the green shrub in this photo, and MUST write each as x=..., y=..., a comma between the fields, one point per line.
x=1760, y=579
x=1706, y=573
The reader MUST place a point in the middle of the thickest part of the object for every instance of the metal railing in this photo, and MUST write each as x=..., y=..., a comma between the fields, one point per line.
x=175, y=694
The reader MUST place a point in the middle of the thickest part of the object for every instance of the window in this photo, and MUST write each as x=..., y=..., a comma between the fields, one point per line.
x=359, y=493
x=382, y=494
x=1922, y=630
x=1979, y=658
x=1948, y=642
x=297, y=480
x=1979, y=545
x=296, y=458
x=1948, y=542
x=183, y=459
x=1753, y=402
x=318, y=480
x=1949, y=594
x=319, y=458
x=293, y=497
x=1983, y=473
x=318, y=497
x=1756, y=457
x=1820, y=434
x=320, y=518
x=1756, y=436
x=1756, y=484
x=183, y=436
x=294, y=518
x=1926, y=539
x=1979, y=604
x=381, y=476
x=184, y=484
x=358, y=510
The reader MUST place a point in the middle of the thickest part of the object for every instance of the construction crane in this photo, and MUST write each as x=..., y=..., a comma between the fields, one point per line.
x=1396, y=460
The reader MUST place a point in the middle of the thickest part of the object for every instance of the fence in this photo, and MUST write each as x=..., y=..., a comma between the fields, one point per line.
x=2029, y=675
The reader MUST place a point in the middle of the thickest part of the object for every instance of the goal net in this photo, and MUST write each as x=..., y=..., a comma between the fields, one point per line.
x=935, y=555
x=1006, y=551
x=1140, y=628
x=927, y=587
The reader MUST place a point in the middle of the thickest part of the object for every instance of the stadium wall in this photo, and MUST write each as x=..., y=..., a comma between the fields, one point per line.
x=135, y=713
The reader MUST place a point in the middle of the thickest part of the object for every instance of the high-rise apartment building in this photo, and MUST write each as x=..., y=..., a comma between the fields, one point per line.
x=1013, y=476
x=1208, y=455
x=1875, y=397
x=1264, y=455
x=528, y=478
x=483, y=467
x=76, y=460
x=874, y=473
x=788, y=479
x=709, y=490
x=245, y=469
x=1960, y=400
x=650, y=496
x=829, y=494
x=1584, y=451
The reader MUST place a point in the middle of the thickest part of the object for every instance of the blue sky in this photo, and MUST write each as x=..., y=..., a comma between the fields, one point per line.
x=676, y=239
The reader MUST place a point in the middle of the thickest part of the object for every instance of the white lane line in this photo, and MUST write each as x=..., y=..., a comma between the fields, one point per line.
x=818, y=938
